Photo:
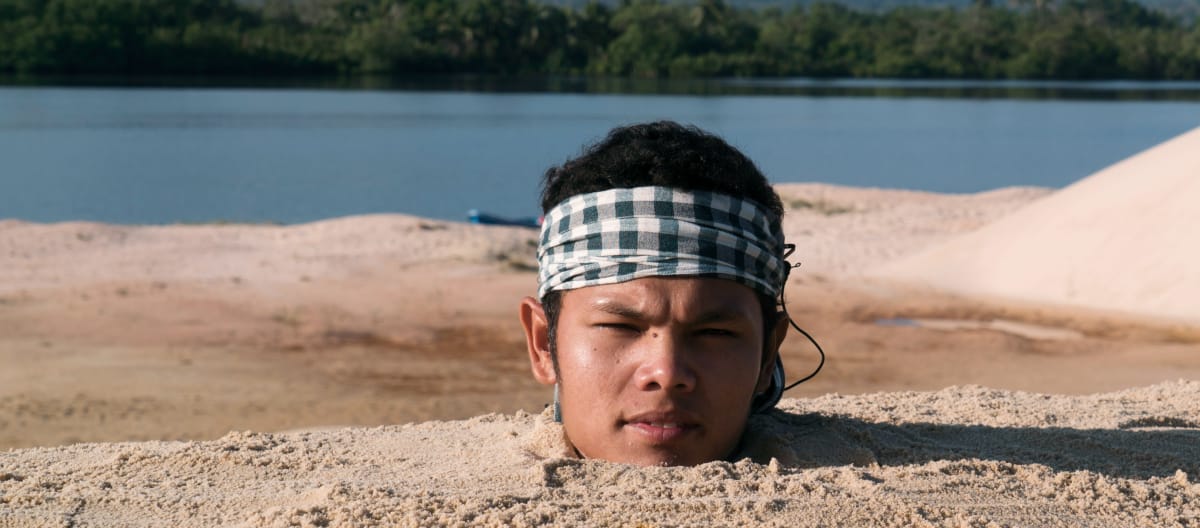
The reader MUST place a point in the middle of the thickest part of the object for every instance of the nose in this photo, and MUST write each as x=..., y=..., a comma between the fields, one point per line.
x=664, y=365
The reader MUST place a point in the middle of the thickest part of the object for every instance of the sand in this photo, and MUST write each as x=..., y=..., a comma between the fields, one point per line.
x=963, y=456
x=1124, y=239
x=131, y=352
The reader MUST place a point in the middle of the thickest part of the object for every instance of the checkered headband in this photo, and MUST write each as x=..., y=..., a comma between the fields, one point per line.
x=618, y=235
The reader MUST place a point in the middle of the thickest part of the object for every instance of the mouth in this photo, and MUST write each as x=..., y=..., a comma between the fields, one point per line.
x=661, y=428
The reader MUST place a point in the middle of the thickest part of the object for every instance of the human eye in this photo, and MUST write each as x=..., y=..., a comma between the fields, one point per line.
x=616, y=326
x=717, y=332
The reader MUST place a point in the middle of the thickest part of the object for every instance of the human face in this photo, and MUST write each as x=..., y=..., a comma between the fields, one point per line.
x=658, y=371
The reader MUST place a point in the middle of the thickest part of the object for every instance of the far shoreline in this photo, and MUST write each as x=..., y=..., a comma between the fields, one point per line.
x=1020, y=89
x=781, y=187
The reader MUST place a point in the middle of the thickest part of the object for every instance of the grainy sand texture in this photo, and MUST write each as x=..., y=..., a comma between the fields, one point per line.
x=1019, y=357
x=963, y=456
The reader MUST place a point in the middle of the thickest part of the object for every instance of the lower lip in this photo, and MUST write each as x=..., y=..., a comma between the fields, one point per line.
x=660, y=434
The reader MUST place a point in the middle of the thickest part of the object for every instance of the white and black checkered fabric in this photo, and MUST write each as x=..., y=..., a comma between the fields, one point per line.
x=618, y=235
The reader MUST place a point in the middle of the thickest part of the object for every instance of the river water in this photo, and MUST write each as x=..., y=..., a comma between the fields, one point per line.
x=137, y=154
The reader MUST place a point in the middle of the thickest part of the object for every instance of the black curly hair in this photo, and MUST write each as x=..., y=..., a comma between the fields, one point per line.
x=667, y=154
x=663, y=153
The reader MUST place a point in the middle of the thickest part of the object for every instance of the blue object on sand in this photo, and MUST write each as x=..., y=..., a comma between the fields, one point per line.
x=476, y=217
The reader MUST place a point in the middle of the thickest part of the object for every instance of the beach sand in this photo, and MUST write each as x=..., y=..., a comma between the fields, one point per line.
x=1124, y=239
x=323, y=338
x=963, y=456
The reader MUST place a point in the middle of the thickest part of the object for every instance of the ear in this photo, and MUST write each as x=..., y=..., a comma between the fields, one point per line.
x=533, y=319
x=771, y=352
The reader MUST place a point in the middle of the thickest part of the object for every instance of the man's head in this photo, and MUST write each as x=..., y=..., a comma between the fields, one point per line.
x=661, y=262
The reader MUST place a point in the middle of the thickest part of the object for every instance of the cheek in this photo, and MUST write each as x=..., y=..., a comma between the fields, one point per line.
x=735, y=365
x=587, y=360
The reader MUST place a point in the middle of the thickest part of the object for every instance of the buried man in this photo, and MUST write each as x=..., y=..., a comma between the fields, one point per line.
x=660, y=263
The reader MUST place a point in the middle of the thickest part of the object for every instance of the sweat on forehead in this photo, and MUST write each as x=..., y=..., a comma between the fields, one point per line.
x=622, y=234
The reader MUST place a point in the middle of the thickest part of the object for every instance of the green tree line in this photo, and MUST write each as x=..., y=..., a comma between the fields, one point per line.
x=1025, y=39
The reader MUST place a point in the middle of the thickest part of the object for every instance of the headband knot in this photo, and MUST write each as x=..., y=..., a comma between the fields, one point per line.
x=618, y=235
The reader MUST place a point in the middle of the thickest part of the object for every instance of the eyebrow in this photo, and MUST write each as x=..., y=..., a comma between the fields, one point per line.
x=620, y=310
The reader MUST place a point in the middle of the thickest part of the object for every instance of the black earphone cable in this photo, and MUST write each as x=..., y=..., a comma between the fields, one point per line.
x=788, y=250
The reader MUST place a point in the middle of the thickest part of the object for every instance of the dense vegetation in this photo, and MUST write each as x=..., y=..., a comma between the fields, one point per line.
x=1031, y=39
x=1187, y=8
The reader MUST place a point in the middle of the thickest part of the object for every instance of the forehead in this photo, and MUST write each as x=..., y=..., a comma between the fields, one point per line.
x=678, y=297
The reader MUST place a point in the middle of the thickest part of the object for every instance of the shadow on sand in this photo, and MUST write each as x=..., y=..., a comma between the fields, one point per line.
x=1138, y=449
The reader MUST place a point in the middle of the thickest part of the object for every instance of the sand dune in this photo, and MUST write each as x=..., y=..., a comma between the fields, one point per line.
x=1125, y=239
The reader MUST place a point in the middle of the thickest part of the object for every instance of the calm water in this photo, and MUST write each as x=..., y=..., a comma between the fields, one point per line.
x=163, y=155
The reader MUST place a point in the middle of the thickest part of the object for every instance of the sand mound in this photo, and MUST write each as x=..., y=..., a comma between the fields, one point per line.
x=964, y=456
x=1123, y=239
